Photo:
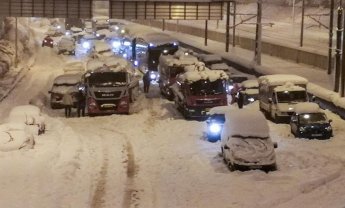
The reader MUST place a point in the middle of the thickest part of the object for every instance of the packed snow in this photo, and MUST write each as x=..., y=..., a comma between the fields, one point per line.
x=154, y=158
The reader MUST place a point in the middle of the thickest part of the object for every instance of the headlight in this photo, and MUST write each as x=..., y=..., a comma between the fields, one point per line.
x=302, y=128
x=124, y=55
x=116, y=44
x=86, y=45
x=123, y=31
x=126, y=43
x=153, y=76
x=230, y=87
x=328, y=128
x=251, y=100
x=136, y=63
x=45, y=41
x=116, y=28
x=97, y=35
x=215, y=128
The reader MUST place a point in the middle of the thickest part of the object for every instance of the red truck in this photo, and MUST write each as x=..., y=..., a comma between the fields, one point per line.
x=198, y=90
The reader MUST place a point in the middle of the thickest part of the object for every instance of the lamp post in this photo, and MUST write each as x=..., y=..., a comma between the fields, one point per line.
x=257, y=55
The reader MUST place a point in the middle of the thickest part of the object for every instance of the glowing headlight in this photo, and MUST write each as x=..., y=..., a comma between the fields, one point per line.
x=136, y=63
x=67, y=33
x=124, y=55
x=58, y=27
x=151, y=44
x=175, y=43
x=165, y=51
x=116, y=44
x=290, y=109
x=45, y=41
x=116, y=28
x=86, y=45
x=126, y=43
x=97, y=35
x=230, y=87
x=153, y=76
x=328, y=128
x=215, y=128
x=123, y=31
x=251, y=99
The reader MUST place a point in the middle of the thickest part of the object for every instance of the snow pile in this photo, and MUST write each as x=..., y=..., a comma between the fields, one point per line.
x=180, y=60
x=15, y=136
x=246, y=123
x=251, y=83
x=307, y=108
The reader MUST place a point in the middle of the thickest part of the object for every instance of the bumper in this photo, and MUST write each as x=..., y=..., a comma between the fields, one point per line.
x=318, y=135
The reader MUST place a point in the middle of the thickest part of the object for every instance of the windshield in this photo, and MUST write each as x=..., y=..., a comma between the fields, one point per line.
x=310, y=118
x=291, y=96
x=106, y=79
x=205, y=87
x=175, y=70
x=64, y=84
x=155, y=52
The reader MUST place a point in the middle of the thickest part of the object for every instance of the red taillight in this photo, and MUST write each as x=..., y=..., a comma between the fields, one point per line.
x=91, y=103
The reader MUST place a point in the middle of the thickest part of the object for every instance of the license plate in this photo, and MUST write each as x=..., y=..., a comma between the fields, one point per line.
x=108, y=106
x=316, y=135
x=255, y=167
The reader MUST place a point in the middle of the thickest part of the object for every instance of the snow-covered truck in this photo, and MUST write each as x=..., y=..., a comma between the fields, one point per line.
x=279, y=93
x=110, y=86
x=169, y=67
x=198, y=90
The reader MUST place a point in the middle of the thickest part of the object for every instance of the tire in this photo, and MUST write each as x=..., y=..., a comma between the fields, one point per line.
x=231, y=166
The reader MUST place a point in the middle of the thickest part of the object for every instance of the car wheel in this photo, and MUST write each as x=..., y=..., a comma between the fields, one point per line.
x=231, y=166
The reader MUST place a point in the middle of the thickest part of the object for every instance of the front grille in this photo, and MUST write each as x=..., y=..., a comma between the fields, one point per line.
x=114, y=94
x=107, y=104
x=208, y=101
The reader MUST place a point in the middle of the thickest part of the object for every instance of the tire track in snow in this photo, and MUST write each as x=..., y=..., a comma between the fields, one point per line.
x=130, y=196
x=97, y=200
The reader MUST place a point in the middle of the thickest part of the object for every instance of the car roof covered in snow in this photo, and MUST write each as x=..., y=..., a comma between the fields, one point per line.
x=288, y=87
x=101, y=46
x=74, y=66
x=245, y=123
x=307, y=107
x=219, y=66
x=114, y=63
x=281, y=79
x=181, y=60
x=250, y=83
x=68, y=79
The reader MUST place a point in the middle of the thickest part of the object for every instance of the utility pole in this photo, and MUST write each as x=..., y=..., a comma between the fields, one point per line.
x=302, y=25
x=227, y=26
x=293, y=11
x=338, y=50
x=16, y=44
x=234, y=26
x=258, y=35
x=206, y=31
x=330, y=41
x=342, y=74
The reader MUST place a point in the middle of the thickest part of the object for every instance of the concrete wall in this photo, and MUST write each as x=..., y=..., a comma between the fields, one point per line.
x=284, y=52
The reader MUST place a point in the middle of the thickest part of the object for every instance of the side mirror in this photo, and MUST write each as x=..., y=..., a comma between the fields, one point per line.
x=313, y=98
x=275, y=144
x=226, y=147
x=270, y=100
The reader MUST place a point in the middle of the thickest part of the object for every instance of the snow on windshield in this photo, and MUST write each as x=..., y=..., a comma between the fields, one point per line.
x=246, y=123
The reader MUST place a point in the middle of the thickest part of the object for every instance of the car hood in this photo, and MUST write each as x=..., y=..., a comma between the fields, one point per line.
x=252, y=150
x=286, y=107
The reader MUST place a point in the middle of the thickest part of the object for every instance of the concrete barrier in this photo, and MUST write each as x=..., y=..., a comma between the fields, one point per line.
x=295, y=54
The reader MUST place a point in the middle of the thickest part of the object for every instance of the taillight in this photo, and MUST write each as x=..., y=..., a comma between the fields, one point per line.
x=91, y=103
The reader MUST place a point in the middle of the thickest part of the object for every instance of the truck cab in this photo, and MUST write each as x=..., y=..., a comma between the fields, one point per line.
x=109, y=90
x=170, y=66
x=278, y=95
x=197, y=91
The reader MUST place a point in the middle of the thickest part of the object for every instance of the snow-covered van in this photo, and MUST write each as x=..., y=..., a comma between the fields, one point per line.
x=198, y=90
x=169, y=67
x=111, y=87
x=66, y=45
x=279, y=93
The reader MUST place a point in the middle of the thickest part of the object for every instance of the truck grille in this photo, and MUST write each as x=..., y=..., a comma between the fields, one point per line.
x=115, y=94
x=107, y=104
x=208, y=101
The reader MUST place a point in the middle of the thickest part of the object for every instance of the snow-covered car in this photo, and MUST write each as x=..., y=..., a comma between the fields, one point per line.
x=48, y=42
x=101, y=50
x=245, y=141
x=249, y=91
x=309, y=121
x=214, y=62
x=66, y=45
x=55, y=30
x=29, y=115
x=100, y=22
x=15, y=136
x=74, y=67
x=66, y=83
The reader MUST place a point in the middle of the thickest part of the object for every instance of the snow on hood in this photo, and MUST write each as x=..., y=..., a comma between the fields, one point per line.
x=288, y=87
x=246, y=123
x=101, y=46
x=68, y=79
x=105, y=32
x=114, y=63
x=76, y=29
x=307, y=107
x=281, y=79
x=196, y=72
x=252, y=151
x=219, y=110
x=94, y=64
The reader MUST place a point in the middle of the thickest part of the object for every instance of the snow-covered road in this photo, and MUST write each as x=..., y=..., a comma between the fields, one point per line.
x=154, y=158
